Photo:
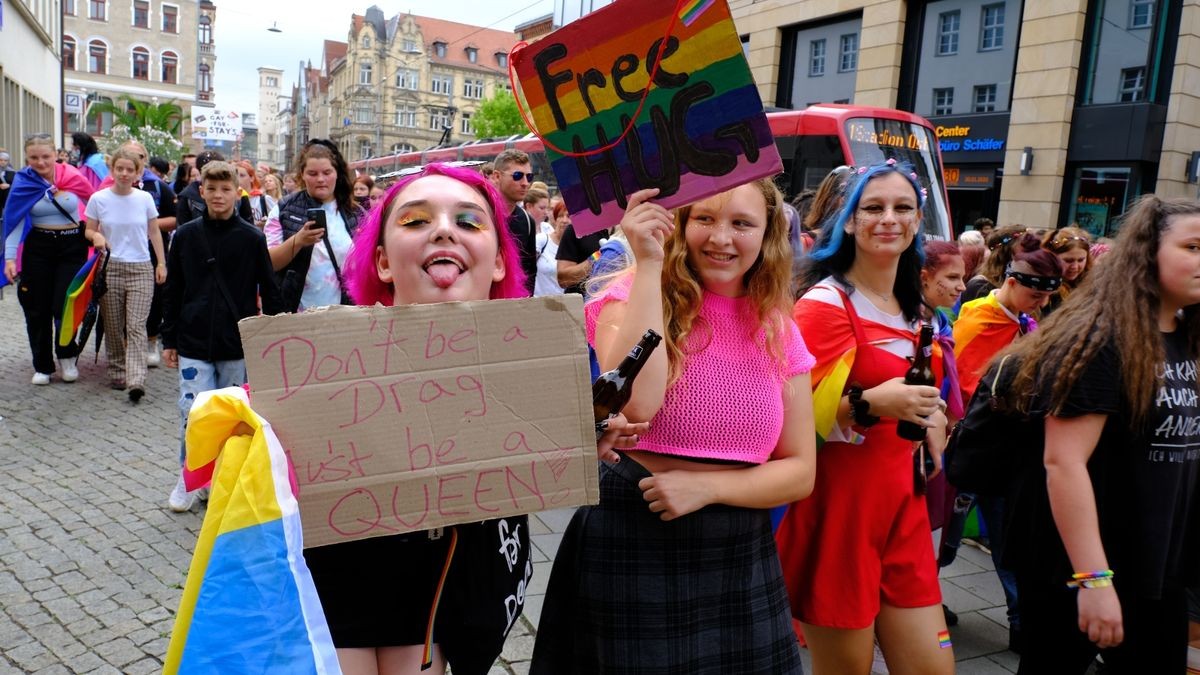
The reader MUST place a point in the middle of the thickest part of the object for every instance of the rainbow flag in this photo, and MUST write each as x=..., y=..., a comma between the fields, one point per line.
x=700, y=130
x=79, y=295
x=249, y=604
x=983, y=328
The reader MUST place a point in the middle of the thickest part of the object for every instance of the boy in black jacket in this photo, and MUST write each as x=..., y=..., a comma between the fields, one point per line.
x=217, y=267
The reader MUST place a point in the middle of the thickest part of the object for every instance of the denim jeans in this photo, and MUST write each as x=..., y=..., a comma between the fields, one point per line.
x=991, y=510
x=196, y=376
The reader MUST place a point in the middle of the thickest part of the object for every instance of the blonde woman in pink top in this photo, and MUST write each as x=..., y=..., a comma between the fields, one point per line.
x=676, y=569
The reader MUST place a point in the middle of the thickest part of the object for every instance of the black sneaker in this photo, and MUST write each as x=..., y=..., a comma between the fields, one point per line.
x=136, y=394
x=951, y=617
x=1014, y=640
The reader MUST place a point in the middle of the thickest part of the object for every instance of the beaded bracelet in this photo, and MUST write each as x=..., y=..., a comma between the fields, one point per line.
x=1095, y=579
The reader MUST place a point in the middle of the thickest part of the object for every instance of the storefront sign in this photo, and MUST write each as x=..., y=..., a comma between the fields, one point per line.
x=972, y=138
x=969, y=177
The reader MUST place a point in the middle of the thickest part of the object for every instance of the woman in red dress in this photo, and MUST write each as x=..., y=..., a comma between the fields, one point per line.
x=857, y=554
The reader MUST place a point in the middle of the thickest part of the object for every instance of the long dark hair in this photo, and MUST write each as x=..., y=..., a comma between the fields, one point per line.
x=183, y=174
x=319, y=148
x=834, y=252
x=86, y=144
x=1119, y=306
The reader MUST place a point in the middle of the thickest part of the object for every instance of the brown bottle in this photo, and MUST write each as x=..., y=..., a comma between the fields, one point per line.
x=611, y=391
x=919, y=373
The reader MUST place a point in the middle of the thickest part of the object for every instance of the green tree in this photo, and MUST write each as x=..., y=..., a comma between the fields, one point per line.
x=498, y=117
x=136, y=114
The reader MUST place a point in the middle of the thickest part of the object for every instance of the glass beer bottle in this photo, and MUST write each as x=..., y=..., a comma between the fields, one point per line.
x=919, y=373
x=611, y=391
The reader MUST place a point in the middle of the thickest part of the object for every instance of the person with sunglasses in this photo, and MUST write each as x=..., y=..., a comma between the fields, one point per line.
x=1073, y=247
x=41, y=220
x=307, y=254
x=512, y=174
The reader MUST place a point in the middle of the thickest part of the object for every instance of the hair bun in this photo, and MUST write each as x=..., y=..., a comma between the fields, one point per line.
x=1029, y=243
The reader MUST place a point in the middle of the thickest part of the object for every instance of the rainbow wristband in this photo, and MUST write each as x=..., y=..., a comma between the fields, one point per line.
x=595, y=256
x=1094, y=579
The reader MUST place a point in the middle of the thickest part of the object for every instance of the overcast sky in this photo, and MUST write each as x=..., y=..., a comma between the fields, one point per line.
x=244, y=43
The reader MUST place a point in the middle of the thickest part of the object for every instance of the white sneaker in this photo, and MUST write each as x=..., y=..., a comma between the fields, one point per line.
x=202, y=494
x=69, y=372
x=40, y=379
x=181, y=500
x=153, y=359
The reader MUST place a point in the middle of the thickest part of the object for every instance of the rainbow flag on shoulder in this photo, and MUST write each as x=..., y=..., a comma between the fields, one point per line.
x=249, y=604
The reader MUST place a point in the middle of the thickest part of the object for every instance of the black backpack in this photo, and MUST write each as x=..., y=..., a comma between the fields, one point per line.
x=991, y=445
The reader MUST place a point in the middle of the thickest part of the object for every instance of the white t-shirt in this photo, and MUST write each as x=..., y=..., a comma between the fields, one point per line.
x=546, y=282
x=124, y=222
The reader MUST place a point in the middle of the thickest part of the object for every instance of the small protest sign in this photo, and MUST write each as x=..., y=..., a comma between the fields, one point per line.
x=399, y=419
x=214, y=124
x=700, y=130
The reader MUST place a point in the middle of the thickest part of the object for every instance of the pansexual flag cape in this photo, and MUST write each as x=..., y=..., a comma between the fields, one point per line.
x=249, y=604
x=701, y=130
x=79, y=294
x=983, y=328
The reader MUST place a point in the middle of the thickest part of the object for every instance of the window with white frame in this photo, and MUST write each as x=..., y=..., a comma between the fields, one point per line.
x=97, y=57
x=272, y=81
x=948, y=24
x=170, y=19
x=98, y=10
x=439, y=49
x=816, y=58
x=473, y=88
x=362, y=113
x=141, y=13
x=170, y=67
x=364, y=73
x=464, y=124
x=141, y=63
x=366, y=41
x=439, y=119
x=406, y=116
x=68, y=7
x=205, y=32
x=1133, y=84
x=502, y=59
x=991, y=27
x=943, y=101
x=68, y=53
x=1141, y=13
x=204, y=78
x=472, y=54
x=441, y=84
x=985, y=98
x=848, y=59
x=410, y=46
x=364, y=148
x=398, y=148
x=407, y=78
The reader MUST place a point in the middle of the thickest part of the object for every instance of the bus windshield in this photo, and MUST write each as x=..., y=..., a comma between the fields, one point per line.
x=873, y=140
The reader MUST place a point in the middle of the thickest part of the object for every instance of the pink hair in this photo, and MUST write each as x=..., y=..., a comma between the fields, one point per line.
x=361, y=275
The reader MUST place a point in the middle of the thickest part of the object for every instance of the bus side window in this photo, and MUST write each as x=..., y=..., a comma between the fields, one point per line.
x=816, y=156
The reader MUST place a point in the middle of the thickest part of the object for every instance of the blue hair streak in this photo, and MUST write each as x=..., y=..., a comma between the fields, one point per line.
x=833, y=230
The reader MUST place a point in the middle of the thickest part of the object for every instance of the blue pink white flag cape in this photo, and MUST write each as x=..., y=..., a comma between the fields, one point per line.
x=249, y=604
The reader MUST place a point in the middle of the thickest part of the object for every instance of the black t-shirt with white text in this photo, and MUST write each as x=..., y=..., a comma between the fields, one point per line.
x=1145, y=482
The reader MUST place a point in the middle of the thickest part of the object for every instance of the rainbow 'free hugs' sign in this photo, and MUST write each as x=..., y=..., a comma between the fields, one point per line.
x=701, y=131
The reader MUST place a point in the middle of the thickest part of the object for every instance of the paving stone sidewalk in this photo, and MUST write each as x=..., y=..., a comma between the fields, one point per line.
x=92, y=563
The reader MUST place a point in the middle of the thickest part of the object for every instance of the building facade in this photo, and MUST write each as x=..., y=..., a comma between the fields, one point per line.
x=270, y=103
x=1098, y=95
x=151, y=50
x=411, y=82
x=30, y=73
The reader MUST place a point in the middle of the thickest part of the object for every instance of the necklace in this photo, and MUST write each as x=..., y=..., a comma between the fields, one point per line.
x=882, y=296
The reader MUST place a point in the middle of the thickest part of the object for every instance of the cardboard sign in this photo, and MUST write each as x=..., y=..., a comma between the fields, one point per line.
x=701, y=131
x=214, y=124
x=400, y=419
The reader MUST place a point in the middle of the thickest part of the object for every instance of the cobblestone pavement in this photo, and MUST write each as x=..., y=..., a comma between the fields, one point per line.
x=92, y=563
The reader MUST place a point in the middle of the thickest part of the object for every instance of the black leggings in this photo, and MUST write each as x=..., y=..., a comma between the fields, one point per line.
x=1155, y=633
x=49, y=261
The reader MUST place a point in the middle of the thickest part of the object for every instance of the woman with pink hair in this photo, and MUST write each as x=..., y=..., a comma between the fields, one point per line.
x=400, y=603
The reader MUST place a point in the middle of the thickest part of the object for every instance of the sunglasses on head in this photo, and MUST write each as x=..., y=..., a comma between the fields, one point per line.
x=519, y=176
x=323, y=142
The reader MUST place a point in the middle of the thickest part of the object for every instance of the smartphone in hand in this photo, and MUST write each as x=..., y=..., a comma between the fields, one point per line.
x=317, y=215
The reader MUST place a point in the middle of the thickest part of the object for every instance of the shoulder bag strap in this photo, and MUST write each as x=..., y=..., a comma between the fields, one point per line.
x=73, y=219
x=337, y=270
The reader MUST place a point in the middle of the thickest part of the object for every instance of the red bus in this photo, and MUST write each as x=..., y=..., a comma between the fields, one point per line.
x=811, y=143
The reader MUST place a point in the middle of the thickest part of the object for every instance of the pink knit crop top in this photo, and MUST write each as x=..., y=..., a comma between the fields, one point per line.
x=728, y=401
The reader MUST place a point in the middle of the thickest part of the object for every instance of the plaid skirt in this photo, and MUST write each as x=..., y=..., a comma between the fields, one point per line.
x=630, y=593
